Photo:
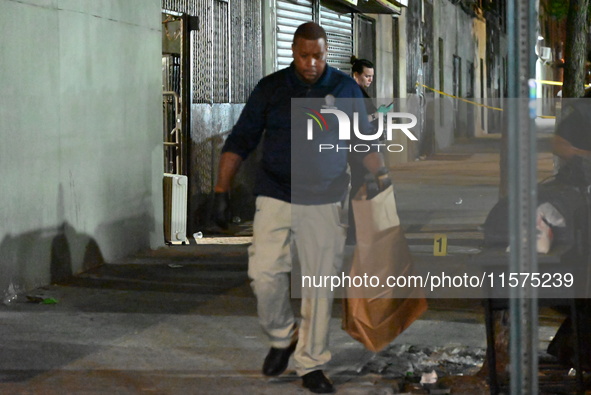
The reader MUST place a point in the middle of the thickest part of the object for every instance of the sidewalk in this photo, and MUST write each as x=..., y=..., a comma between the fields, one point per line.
x=168, y=325
x=182, y=320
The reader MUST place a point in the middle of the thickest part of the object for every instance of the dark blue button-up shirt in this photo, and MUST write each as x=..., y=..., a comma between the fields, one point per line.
x=299, y=172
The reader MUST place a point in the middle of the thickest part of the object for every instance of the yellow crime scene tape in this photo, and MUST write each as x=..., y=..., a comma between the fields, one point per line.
x=557, y=83
x=459, y=98
x=490, y=107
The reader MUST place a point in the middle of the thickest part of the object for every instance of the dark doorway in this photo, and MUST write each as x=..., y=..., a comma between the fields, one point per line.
x=366, y=44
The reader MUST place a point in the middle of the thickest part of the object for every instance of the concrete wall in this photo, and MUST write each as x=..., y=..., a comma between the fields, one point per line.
x=465, y=37
x=481, y=116
x=80, y=121
x=402, y=43
x=384, y=82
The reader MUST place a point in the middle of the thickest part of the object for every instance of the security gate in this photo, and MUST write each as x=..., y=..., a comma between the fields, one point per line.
x=224, y=62
x=173, y=125
x=339, y=31
x=290, y=14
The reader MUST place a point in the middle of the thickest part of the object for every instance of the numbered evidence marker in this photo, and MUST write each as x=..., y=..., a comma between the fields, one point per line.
x=440, y=245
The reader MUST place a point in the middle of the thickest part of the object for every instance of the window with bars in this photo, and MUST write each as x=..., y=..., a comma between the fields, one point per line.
x=226, y=49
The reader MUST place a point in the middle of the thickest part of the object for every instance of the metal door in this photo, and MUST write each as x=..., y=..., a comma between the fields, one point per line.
x=173, y=128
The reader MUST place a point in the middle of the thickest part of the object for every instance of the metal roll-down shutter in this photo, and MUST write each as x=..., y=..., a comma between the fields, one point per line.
x=339, y=30
x=290, y=14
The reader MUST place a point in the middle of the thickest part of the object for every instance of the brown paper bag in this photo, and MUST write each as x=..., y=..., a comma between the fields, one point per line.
x=377, y=315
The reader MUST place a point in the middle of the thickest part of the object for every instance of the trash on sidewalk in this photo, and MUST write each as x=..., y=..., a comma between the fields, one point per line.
x=11, y=294
x=409, y=361
x=175, y=265
x=429, y=378
x=429, y=382
x=41, y=299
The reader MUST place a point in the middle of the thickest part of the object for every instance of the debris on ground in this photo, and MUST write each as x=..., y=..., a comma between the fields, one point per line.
x=10, y=295
x=41, y=299
x=403, y=360
x=429, y=378
x=429, y=370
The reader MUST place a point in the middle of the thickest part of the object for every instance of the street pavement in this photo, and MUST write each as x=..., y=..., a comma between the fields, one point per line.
x=182, y=319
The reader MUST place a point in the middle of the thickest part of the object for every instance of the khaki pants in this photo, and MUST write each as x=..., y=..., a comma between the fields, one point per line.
x=318, y=237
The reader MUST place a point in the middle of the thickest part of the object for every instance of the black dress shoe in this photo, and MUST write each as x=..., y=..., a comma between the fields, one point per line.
x=277, y=359
x=317, y=382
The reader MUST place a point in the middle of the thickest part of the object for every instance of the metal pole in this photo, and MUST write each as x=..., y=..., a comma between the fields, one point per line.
x=522, y=196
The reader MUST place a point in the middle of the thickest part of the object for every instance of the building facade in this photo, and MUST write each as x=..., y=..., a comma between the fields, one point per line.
x=83, y=121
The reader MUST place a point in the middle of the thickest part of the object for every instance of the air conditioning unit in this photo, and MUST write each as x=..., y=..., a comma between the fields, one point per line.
x=175, y=208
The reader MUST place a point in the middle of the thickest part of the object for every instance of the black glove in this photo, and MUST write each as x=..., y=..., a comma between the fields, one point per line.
x=377, y=183
x=383, y=179
x=221, y=209
x=371, y=186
